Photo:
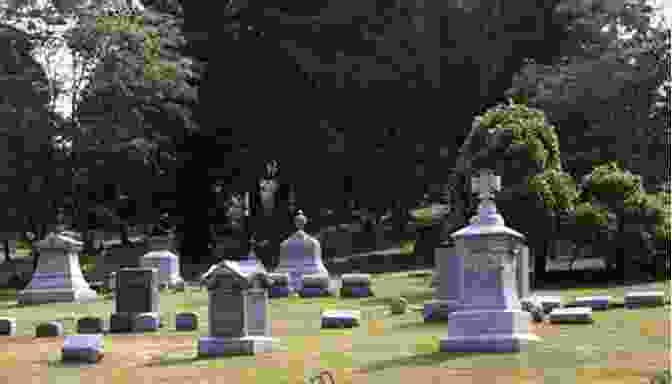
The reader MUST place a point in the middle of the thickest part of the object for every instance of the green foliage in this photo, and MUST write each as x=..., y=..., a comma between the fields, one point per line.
x=556, y=188
x=614, y=186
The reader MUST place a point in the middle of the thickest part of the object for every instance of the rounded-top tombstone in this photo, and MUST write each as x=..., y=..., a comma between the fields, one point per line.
x=163, y=259
x=58, y=276
x=300, y=254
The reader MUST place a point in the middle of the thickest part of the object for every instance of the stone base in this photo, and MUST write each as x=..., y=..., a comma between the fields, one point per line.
x=210, y=346
x=487, y=343
x=438, y=310
x=60, y=295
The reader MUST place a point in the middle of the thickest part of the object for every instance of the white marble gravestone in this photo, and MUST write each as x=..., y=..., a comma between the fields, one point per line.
x=300, y=255
x=487, y=315
x=164, y=260
x=238, y=312
x=58, y=276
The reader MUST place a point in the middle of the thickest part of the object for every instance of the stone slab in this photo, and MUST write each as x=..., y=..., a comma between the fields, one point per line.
x=571, y=315
x=49, y=329
x=597, y=303
x=548, y=303
x=356, y=291
x=209, y=346
x=146, y=322
x=308, y=292
x=316, y=281
x=91, y=325
x=121, y=323
x=340, y=319
x=487, y=343
x=83, y=348
x=356, y=279
x=438, y=310
x=7, y=326
x=644, y=299
x=279, y=291
x=186, y=321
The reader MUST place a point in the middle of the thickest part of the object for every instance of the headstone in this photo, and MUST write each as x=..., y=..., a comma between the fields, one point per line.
x=340, y=319
x=83, y=348
x=644, y=299
x=487, y=315
x=238, y=312
x=186, y=321
x=163, y=259
x=447, y=280
x=121, y=322
x=548, y=303
x=112, y=281
x=49, y=329
x=399, y=306
x=597, y=303
x=58, y=276
x=356, y=285
x=91, y=325
x=280, y=286
x=316, y=285
x=7, y=326
x=146, y=322
x=571, y=315
x=300, y=254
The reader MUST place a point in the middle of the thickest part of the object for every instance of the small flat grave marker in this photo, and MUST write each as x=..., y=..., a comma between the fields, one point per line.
x=280, y=287
x=49, y=329
x=340, y=319
x=7, y=326
x=146, y=322
x=316, y=285
x=186, y=321
x=548, y=303
x=83, y=348
x=644, y=299
x=356, y=285
x=571, y=315
x=90, y=325
x=597, y=303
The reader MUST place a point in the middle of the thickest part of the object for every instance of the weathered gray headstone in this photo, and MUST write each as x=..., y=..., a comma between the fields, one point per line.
x=146, y=322
x=137, y=290
x=162, y=257
x=58, y=276
x=238, y=312
x=356, y=285
x=83, y=348
x=7, y=326
x=49, y=329
x=91, y=325
x=597, y=303
x=571, y=315
x=341, y=319
x=487, y=315
x=300, y=254
x=644, y=299
x=186, y=321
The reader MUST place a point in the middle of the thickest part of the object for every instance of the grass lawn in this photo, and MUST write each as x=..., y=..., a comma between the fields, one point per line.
x=621, y=345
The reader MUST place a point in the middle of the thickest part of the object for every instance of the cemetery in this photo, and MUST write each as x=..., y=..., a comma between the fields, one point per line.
x=307, y=210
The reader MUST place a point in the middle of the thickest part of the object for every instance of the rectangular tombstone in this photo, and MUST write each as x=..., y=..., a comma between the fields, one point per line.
x=137, y=290
x=644, y=299
x=226, y=311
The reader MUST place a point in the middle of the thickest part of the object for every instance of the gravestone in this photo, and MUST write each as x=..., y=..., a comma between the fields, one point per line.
x=356, y=285
x=146, y=322
x=90, y=325
x=644, y=299
x=7, y=326
x=571, y=315
x=58, y=276
x=83, y=348
x=164, y=260
x=596, y=303
x=340, y=319
x=137, y=294
x=316, y=285
x=487, y=315
x=300, y=254
x=280, y=286
x=186, y=321
x=547, y=303
x=49, y=329
x=237, y=312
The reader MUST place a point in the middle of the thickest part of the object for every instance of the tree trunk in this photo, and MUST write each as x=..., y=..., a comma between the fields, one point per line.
x=539, y=261
x=8, y=257
x=123, y=232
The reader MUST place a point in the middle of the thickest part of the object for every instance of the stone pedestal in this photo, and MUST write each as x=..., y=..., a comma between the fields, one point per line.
x=164, y=260
x=300, y=255
x=58, y=276
x=487, y=315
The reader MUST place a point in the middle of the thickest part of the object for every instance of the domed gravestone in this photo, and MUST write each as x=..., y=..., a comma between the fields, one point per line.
x=486, y=315
x=58, y=276
x=49, y=329
x=186, y=321
x=300, y=255
x=164, y=260
x=237, y=312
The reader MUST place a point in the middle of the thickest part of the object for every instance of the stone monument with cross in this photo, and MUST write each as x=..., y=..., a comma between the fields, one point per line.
x=480, y=281
x=300, y=254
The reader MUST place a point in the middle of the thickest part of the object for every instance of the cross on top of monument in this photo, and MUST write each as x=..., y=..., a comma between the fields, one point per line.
x=486, y=184
x=300, y=220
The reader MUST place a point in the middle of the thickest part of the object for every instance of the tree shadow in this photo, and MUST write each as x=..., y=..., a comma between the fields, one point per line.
x=421, y=360
x=422, y=325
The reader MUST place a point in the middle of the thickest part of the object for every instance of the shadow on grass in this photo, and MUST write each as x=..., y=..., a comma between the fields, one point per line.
x=412, y=298
x=421, y=325
x=421, y=360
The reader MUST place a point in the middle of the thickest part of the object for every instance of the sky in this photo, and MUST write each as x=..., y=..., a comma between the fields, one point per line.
x=61, y=66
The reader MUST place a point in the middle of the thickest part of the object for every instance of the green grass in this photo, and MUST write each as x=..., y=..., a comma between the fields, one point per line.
x=403, y=341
